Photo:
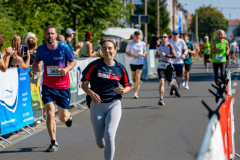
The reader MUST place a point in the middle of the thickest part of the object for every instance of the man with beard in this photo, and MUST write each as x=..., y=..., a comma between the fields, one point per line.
x=58, y=60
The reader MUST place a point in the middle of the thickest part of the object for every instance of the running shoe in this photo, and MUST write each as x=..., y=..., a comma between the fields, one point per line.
x=161, y=102
x=171, y=91
x=177, y=94
x=186, y=87
x=69, y=122
x=136, y=96
x=183, y=83
x=53, y=147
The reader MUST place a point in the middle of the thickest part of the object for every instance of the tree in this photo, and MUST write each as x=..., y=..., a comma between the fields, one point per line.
x=164, y=18
x=210, y=20
x=21, y=16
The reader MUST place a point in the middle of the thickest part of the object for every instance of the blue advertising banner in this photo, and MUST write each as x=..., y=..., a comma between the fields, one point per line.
x=15, y=100
x=24, y=99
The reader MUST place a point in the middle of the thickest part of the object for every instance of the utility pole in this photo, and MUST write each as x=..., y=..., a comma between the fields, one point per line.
x=196, y=26
x=158, y=17
x=132, y=12
x=145, y=25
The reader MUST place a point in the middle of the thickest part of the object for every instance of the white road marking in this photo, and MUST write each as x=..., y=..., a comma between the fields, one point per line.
x=233, y=91
x=234, y=84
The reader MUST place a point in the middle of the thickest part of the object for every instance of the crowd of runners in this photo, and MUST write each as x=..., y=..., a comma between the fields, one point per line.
x=105, y=80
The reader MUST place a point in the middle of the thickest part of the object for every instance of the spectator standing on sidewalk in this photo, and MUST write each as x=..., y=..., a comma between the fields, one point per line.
x=69, y=34
x=5, y=56
x=155, y=41
x=87, y=49
x=58, y=60
x=17, y=58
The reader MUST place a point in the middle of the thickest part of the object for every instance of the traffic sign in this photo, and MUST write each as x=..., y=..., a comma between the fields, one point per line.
x=139, y=19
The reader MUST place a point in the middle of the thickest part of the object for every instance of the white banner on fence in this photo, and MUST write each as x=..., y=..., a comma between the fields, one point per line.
x=9, y=89
x=215, y=149
x=80, y=66
x=152, y=58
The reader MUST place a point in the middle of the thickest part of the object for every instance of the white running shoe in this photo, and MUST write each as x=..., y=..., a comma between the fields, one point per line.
x=186, y=87
x=136, y=96
x=183, y=83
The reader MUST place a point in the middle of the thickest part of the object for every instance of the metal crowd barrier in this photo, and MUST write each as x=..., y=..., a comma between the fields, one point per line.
x=77, y=94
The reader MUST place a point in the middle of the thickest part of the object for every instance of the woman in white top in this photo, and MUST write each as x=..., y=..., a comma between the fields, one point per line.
x=136, y=50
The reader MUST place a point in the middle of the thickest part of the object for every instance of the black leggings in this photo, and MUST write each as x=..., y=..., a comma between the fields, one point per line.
x=216, y=67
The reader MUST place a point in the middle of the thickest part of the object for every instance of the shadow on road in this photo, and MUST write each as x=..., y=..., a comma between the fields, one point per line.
x=141, y=107
x=29, y=149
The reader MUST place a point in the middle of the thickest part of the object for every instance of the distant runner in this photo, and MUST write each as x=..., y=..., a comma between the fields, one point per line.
x=165, y=54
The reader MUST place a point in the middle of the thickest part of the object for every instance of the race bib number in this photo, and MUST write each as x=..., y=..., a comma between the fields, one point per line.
x=53, y=70
x=219, y=57
x=162, y=65
x=206, y=50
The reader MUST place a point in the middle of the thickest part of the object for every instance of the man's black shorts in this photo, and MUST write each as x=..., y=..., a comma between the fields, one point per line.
x=187, y=66
x=206, y=57
x=168, y=73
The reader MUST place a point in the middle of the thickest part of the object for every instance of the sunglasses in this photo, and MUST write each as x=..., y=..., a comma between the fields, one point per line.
x=163, y=37
x=175, y=34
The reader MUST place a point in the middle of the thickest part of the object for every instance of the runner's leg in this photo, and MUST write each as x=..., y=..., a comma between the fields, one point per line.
x=137, y=81
x=63, y=114
x=161, y=88
x=98, y=123
x=112, y=120
x=51, y=125
x=133, y=76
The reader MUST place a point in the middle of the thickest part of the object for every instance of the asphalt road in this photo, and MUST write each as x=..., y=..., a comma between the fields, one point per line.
x=146, y=131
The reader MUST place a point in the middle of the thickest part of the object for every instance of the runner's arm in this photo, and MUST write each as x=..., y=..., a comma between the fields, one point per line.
x=71, y=65
x=144, y=53
x=173, y=53
x=94, y=96
x=6, y=56
x=131, y=55
x=228, y=48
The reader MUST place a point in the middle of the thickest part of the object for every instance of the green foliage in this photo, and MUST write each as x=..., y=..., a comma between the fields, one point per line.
x=209, y=21
x=164, y=18
x=22, y=16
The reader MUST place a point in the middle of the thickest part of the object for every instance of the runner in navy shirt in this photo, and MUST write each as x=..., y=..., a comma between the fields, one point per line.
x=104, y=76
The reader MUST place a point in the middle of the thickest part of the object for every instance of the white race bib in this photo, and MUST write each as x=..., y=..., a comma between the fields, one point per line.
x=219, y=57
x=206, y=50
x=53, y=71
x=162, y=65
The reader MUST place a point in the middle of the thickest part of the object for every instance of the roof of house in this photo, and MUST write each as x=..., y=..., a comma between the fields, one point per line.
x=234, y=22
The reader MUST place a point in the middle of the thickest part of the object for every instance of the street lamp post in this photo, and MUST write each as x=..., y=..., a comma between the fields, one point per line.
x=196, y=26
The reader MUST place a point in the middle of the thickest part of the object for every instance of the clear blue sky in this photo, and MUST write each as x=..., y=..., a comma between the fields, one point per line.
x=229, y=8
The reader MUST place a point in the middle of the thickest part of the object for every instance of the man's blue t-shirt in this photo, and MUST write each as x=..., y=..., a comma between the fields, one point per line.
x=188, y=58
x=58, y=57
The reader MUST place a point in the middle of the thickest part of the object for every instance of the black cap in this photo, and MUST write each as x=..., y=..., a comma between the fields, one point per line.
x=136, y=33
